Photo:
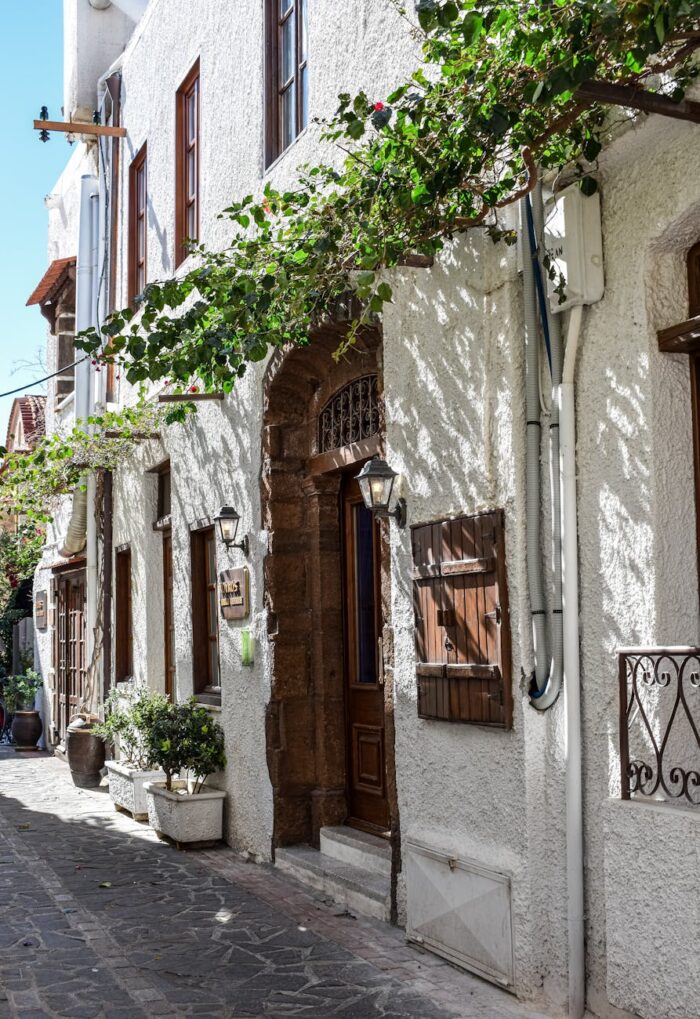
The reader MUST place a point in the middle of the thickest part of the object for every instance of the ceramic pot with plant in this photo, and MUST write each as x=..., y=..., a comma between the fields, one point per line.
x=19, y=694
x=127, y=711
x=185, y=739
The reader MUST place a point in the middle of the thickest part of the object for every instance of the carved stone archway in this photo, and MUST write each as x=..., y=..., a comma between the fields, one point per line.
x=305, y=723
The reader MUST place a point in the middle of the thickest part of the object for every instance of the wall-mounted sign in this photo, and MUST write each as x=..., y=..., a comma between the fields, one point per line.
x=234, y=597
x=40, y=610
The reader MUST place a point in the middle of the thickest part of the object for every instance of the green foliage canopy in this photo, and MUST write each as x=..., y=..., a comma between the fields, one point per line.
x=498, y=96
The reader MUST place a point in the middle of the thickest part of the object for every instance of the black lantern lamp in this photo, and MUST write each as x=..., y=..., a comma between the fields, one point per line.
x=228, y=521
x=376, y=481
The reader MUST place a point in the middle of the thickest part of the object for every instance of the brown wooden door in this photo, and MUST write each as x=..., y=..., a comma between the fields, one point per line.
x=364, y=681
x=168, y=616
x=70, y=648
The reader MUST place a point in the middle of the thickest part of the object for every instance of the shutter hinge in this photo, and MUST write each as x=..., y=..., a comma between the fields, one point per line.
x=496, y=614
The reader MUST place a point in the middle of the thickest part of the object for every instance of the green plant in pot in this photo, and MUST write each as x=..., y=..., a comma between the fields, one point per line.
x=184, y=738
x=19, y=693
x=128, y=711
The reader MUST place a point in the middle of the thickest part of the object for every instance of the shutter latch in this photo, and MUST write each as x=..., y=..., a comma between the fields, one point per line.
x=496, y=614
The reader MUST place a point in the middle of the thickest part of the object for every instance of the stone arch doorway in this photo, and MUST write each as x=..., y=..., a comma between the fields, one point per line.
x=308, y=456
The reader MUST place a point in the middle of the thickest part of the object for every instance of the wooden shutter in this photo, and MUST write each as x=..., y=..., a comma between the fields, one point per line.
x=463, y=666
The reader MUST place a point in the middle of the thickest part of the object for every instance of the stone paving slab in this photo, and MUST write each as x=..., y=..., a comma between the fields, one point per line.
x=186, y=934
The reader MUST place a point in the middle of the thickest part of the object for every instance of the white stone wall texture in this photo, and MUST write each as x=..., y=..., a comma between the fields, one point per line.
x=455, y=429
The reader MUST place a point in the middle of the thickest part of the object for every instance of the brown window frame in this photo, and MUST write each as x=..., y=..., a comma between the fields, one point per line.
x=186, y=192
x=138, y=224
x=275, y=87
x=123, y=633
x=206, y=680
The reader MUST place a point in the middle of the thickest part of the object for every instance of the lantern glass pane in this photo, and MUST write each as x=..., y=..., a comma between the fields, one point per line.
x=364, y=484
x=381, y=492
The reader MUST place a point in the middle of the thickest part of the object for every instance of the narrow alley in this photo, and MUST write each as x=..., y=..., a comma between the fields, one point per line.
x=100, y=920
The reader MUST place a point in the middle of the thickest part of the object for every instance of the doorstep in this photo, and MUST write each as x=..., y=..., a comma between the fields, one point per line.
x=352, y=867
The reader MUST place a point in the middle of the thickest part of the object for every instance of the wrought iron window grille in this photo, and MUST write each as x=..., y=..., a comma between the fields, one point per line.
x=351, y=414
x=660, y=724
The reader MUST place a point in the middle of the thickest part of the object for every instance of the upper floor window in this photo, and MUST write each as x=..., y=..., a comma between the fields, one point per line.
x=287, y=112
x=138, y=224
x=187, y=164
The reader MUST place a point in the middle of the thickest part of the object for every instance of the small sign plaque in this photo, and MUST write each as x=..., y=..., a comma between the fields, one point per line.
x=234, y=597
x=40, y=610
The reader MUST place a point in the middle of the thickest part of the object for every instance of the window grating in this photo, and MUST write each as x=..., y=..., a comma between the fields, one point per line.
x=350, y=416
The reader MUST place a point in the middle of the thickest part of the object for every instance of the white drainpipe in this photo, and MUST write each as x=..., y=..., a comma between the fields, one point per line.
x=75, y=537
x=572, y=690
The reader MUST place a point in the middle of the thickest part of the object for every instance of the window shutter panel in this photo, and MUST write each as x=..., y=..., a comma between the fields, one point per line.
x=462, y=628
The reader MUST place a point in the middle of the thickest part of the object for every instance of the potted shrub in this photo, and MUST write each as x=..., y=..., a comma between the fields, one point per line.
x=19, y=693
x=184, y=738
x=127, y=712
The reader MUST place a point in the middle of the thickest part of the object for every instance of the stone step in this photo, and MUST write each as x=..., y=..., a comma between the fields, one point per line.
x=349, y=845
x=359, y=890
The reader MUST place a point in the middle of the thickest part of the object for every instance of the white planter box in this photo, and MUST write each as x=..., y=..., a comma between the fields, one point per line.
x=127, y=787
x=185, y=817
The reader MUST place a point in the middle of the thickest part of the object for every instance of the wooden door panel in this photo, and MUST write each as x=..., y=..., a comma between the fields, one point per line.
x=70, y=664
x=368, y=759
x=168, y=615
x=366, y=769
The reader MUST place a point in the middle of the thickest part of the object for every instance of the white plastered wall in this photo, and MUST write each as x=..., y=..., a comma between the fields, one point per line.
x=638, y=571
x=458, y=437
x=63, y=216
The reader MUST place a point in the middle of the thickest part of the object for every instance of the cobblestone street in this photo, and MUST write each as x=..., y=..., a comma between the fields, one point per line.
x=100, y=920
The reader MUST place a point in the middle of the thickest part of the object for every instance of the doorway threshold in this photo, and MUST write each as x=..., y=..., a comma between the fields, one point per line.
x=352, y=867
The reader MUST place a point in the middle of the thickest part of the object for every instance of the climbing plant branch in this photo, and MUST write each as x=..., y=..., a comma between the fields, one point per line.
x=31, y=483
x=506, y=86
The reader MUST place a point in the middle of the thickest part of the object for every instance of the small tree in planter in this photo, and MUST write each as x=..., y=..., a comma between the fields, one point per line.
x=185, y=738
x=19, y=694
x=128, y=712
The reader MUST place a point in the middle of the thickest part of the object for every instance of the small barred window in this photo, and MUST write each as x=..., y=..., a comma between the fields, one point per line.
x=350, y=416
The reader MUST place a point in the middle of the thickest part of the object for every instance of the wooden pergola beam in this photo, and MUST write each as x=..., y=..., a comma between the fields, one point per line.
x=79, y=127
x=638, y=99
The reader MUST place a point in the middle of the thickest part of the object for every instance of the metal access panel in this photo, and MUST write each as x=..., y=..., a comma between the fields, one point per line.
x=460, y=910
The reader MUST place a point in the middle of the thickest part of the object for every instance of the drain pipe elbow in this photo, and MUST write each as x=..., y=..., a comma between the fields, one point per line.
x=76, y=533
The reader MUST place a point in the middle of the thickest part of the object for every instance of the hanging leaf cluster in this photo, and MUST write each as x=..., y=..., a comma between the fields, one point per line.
x=33, y=482
x=501, y=92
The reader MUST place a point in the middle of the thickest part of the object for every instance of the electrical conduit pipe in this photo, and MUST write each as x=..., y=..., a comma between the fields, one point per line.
x=543, y=697
x=532, y=461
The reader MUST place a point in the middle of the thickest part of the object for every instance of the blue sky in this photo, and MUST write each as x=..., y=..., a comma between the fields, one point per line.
x=31, y=76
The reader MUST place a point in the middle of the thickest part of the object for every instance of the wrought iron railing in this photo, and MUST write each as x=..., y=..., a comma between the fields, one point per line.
x=660, y=723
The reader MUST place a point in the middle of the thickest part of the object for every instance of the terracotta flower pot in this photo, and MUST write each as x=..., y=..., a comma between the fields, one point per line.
x=85, y=753
x=26, y=729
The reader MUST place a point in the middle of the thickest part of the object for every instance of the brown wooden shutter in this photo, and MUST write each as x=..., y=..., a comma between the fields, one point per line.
x=463, y=666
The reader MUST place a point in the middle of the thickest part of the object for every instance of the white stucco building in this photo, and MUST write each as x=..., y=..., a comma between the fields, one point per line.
x=382, y=674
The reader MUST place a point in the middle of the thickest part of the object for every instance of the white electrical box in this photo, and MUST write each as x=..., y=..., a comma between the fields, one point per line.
x=574, y=242
x=462, y=910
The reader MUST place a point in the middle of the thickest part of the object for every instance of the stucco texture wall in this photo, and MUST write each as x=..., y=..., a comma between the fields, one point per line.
x=638, y=578
x=215, y=458
x=455, y=428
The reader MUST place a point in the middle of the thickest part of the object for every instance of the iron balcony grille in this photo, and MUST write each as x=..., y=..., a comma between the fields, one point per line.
x=351, y=415
x=660, y=724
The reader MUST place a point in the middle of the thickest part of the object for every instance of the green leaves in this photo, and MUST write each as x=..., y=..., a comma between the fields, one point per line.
x=496, y=90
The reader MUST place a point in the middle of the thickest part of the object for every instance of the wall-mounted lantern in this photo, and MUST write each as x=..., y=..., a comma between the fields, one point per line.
x=376, y=481
x=227, y=522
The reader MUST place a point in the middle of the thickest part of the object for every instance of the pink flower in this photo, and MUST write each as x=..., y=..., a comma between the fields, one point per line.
x=378, y=107
x=194, y=389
